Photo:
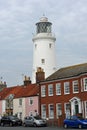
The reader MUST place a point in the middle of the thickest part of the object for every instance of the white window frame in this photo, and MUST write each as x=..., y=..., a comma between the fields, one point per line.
x=43, y=111
x=82, y=85
x=65, y=106
x=75, y=86
x=20, y=101
x=43, y=91
x=66, y=88
x=85, y=102
x=50, y=90
x=85, y=84
x=51, y=111
x=31, y=101
x=58, y=88
x=58, y=109
x=67, y=109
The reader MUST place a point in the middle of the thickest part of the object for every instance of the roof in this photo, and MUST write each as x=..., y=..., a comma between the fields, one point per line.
x=26, y=91
x=7, y=91
x=19, y=91
x=67, y=72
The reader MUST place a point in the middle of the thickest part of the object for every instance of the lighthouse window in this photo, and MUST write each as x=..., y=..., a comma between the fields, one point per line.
x=42, y=61
x=50, y=45
x=35, y=45
x=43, y=27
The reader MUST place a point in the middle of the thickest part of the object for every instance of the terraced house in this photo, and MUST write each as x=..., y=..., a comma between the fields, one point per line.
x=64, y=93
x=20, y=100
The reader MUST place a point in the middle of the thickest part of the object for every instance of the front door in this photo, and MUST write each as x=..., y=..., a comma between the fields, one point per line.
x=75, y=106
x=76, y=109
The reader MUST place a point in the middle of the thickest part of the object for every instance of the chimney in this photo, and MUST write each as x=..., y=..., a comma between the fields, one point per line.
x=2, y=85
x=27, y=80
x=40, y=75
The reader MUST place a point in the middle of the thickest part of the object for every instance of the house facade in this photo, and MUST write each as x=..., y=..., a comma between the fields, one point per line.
x=32, y=105
x=26, y=106
x=64, y=93
x=20, y=100
x=19, y=107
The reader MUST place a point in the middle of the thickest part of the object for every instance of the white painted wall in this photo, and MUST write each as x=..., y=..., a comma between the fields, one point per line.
x=17, y=108
x=43, y=51
x=3, y=106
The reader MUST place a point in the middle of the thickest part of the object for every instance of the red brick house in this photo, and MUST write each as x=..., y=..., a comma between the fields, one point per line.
x=64, y=93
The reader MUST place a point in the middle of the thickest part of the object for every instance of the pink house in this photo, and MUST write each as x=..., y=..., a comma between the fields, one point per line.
x=31, y=105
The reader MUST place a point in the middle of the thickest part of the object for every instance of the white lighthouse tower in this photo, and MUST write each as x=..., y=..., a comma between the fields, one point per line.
x=44, y=54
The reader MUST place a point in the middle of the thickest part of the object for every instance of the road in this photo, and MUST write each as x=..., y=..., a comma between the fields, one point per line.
x=34, y=128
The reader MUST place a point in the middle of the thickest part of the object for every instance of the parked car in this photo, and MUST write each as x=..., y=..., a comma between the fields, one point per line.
x=75, y=121
x=0, y=119
x=10, y=120
x=34, y=121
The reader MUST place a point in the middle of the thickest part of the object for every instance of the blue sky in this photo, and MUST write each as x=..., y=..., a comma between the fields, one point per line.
x=17, y=26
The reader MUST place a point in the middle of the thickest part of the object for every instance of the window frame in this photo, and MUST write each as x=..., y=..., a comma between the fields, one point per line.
x=43, y=90
x=43, y=61
x=85, y=83
x=50, y=90
x=58, y=109
x=58, y=88
x=85, y=102
x=75, y=83
x=51, y=111
x=67, y=109
x=43, y=111
x=50, y=45
x=31, y=101
x=66, y=90
x=20, y=101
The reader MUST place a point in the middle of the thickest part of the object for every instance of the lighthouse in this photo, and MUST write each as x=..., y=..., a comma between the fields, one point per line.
x=44, y=54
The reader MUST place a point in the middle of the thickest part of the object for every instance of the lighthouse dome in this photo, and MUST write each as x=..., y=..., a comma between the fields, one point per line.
x=43, y=19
